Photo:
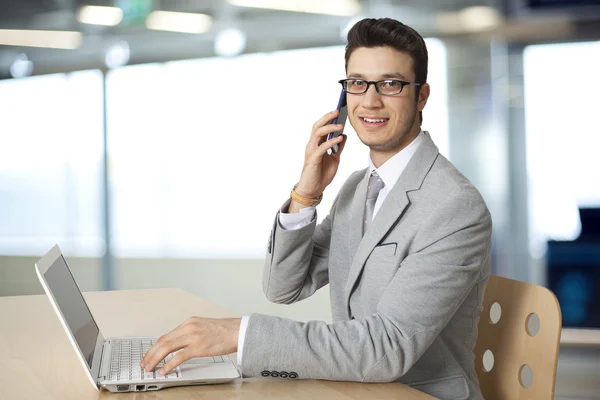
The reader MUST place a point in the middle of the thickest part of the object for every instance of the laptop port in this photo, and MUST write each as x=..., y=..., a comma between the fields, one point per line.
x=122, y=388
x=152, y=387
x=139, y=388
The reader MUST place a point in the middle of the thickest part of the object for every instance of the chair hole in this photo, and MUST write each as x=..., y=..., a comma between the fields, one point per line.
x=488, y=360
x=533, y=324
x=526, y=376
x=495, y=312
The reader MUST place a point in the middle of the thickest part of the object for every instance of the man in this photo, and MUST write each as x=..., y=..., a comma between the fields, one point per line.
x=405, y=247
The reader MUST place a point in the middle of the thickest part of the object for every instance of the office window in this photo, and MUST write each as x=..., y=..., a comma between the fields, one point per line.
x=50, y=164
x=203, y=152
x=563, y=138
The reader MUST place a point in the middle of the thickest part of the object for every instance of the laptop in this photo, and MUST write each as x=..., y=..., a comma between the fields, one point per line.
x=113, y=363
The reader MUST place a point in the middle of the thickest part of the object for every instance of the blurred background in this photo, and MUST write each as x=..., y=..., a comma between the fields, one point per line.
x=154, y=140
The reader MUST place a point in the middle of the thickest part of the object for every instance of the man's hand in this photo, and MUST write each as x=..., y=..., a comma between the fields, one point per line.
x=195, y=337
x=320, y=167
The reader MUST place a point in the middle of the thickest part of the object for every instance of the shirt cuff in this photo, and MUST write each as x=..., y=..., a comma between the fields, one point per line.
x=241, y=337
x=293, y=221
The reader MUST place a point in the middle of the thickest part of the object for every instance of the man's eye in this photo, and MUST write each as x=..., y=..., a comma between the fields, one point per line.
x=392, y=84
x=356, y=83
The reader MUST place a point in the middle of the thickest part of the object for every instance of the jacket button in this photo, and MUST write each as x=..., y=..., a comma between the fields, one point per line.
x=292, y=375
x=275, y=374
x=283, y=374
x=265, y=373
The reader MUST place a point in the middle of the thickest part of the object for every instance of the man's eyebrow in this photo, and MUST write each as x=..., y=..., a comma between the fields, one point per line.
x=394, y=75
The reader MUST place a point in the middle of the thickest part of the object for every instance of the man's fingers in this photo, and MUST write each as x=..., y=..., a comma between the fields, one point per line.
x=343, y=143
x=328, y=144
x=320, y=135
x=327, y=129
x=341, y=146
x=324, y=126
x=325, y=119
x=149, y=354
x=160, y=350
x=179, y=358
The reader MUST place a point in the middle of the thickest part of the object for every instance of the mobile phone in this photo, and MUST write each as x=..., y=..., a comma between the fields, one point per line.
x=341, y=119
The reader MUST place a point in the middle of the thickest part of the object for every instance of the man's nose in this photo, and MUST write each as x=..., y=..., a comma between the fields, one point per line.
x=371, y=99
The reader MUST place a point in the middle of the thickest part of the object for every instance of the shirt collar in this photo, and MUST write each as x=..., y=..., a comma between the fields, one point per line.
x=390, y=171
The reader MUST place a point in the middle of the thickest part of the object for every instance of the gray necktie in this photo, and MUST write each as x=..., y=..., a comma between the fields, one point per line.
x=375, y=185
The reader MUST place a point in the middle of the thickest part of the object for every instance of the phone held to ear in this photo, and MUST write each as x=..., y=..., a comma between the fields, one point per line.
x=341, y=119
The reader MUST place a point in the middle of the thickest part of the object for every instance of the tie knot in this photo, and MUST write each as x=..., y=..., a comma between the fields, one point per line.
x=375, y=185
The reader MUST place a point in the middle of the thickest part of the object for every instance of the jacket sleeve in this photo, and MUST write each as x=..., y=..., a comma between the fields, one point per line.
x=427, y=289
x=297, y=261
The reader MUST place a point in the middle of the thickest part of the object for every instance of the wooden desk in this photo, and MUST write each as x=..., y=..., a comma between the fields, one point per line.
x=572, y=337
x=38, y=362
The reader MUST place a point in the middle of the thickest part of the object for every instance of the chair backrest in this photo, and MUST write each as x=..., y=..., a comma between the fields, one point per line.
x=523, y=342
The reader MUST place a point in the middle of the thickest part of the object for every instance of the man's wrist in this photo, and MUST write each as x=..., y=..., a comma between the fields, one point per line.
x=304, y=198
x=305, y=193
x=235, y=332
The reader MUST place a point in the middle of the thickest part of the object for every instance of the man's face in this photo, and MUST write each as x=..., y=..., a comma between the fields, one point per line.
x=386, y=124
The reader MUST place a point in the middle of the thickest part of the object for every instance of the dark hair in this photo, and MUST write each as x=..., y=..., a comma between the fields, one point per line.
x=372, y=32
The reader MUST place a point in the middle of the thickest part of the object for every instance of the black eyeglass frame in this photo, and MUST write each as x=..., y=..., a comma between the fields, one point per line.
x=344, y=83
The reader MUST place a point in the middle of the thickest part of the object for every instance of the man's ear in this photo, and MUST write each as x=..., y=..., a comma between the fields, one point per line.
x=423, y=96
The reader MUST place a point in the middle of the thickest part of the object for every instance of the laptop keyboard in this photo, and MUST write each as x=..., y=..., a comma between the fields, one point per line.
x=127, y=354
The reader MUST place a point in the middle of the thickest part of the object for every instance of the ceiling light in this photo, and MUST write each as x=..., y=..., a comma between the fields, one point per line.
x=230, y=42
x=178, y=22
x=21, y=67
x=97, y=15
x=31, y=38
x=331, y=7
x=117, y=55
x=479, y=18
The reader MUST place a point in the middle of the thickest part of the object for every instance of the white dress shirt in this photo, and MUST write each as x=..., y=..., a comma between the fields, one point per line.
x=389, y=173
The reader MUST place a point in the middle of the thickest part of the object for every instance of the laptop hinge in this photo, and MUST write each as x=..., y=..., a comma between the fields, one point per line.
x=104, y=365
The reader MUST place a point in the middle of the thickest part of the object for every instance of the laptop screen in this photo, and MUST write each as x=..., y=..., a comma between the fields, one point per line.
x=71, y=303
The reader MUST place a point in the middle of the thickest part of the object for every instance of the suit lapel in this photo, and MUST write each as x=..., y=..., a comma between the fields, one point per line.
x=390, y=212
x=357, y=211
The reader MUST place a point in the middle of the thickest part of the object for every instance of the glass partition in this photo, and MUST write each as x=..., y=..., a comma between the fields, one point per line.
x=50, y=164
x=204, y=152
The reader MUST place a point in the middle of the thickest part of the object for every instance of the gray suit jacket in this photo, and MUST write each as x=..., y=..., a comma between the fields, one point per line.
x=405, y=298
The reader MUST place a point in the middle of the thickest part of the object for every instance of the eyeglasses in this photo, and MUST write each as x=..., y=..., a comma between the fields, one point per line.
x=387, y=87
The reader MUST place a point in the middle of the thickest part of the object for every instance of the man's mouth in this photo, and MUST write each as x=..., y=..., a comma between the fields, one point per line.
x=374, y=120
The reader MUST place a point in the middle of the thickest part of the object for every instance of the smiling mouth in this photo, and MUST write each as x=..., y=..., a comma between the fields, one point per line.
x=374, y=120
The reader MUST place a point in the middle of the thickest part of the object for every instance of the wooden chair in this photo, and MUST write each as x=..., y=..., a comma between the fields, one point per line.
x=523, y=341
